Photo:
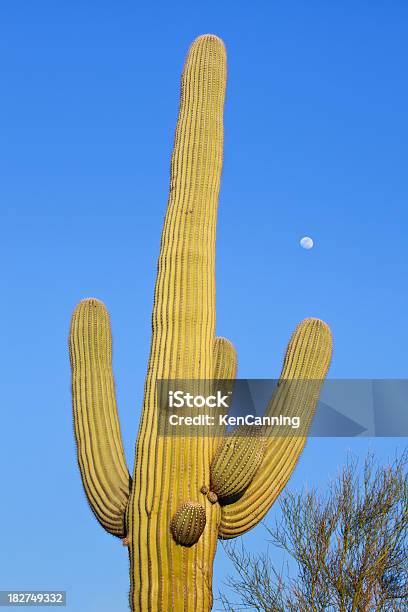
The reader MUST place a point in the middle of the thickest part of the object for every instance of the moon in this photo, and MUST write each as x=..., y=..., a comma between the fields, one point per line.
x=306, y=243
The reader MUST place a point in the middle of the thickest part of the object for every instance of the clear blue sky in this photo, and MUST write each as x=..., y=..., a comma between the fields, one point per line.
x=316, y=143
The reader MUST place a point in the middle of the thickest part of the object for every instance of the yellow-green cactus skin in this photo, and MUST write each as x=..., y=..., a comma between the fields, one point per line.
x=167, y=514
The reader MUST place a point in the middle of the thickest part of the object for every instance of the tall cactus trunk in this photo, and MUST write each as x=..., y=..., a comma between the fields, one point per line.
x=169, y=513
x=171, y=470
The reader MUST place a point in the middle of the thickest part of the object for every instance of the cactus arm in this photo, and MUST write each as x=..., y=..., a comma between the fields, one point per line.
x=307, y=358
x=225, y=368
x=169, y=471
x=100, y=452
x=225, y=359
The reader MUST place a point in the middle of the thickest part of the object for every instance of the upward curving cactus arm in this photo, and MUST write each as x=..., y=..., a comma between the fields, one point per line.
x=305, y=365
x=100, y=452
x=225, y=359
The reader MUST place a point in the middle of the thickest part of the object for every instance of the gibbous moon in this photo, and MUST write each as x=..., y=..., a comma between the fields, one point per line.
x=306, y=243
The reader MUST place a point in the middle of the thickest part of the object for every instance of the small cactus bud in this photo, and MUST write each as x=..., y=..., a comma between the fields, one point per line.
x=204, y=490
x=188, y=523
x=212, y=497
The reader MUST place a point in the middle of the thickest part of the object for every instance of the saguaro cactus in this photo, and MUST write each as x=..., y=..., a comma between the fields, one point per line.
x=168, y=514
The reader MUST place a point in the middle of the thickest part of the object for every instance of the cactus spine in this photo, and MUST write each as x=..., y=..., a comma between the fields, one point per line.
x=168, y=515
